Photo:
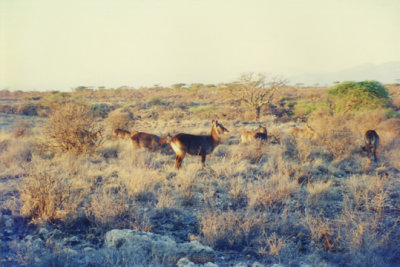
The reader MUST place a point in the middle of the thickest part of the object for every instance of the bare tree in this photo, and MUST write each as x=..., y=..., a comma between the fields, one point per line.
x=255, y=91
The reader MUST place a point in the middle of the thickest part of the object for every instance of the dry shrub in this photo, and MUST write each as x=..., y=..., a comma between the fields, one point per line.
x=230, y=230
x=255, y=152
x=367, y=120
x=238, y=189
x=367, y=221
x=111, y=206
x=272, y=191
x=140, y=182
x=21, y=128
x=27, y=108
x=275, y=244
x=318, y=188
x=367, y=192
x=334, y=133
x=72, y=128
x=391, y=153
x=109, y=150
x=271, y=245
x=185, y=185
x=280, y=158
x=388, y=131
x=364, y=235
x=46, y=193
x=321, y=229
x=305, y=148
x=175, y=113
x=120, y=119
x=15, y=153
x=166, y=200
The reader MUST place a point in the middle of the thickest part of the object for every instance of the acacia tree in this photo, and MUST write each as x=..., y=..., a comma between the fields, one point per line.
x=256, y=91
x=350, y=96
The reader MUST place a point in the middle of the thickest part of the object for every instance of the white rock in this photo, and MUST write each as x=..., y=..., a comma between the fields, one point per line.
x=185, y=262
x=151, y=245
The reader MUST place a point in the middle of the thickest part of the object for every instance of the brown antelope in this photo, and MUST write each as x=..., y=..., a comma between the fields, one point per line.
x=200, y=145
x=119, y=133
x=150, y=141
x=164, y=141
x=307, y=131
x=371, y=139
x=261, y=134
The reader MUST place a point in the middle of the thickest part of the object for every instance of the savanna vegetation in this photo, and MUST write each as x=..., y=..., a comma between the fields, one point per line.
x=306, y=196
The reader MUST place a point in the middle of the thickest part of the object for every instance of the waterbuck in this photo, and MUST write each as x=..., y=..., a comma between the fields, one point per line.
x=150, y=141
x=307, y=132
x=371, y=139
x=261, y=134
x=119, y=133
x=200, y=145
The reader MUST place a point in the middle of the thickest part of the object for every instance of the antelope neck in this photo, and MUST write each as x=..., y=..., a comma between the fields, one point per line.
x=214, y=134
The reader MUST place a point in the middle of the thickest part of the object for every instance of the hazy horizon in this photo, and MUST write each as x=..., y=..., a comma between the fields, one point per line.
x=59, y=45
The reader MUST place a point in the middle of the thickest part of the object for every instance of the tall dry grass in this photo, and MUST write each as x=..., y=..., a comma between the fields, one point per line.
x=304, y=199
x=46, y=193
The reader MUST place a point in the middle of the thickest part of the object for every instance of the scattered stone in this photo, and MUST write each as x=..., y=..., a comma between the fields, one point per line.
x=44, y=233
x=155, y=246
x=36, y=246
x=210, y=264
x=8, y=221
x=89, y=250
x=55, y=233
x=197, y=252
x=185, y=262
x=175, y=222
x=71, y=253
x=71, y=241
x=340, y=174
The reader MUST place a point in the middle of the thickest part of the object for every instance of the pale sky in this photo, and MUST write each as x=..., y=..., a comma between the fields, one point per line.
x=62, y=44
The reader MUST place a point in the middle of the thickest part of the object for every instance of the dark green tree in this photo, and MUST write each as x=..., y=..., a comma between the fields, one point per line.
x=350, y=96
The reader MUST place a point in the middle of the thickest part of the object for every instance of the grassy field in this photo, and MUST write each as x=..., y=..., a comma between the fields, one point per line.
x=304, y=197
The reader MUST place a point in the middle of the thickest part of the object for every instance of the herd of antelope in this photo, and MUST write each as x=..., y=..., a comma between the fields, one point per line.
x=203, y=145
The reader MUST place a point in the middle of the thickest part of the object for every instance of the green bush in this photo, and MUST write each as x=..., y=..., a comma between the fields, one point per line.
x=155, y=101
x=101, y=110
x=355, y=96
x=392, y=113
x=304, y=108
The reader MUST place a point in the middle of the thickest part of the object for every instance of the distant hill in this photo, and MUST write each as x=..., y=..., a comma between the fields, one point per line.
x=385, y=73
